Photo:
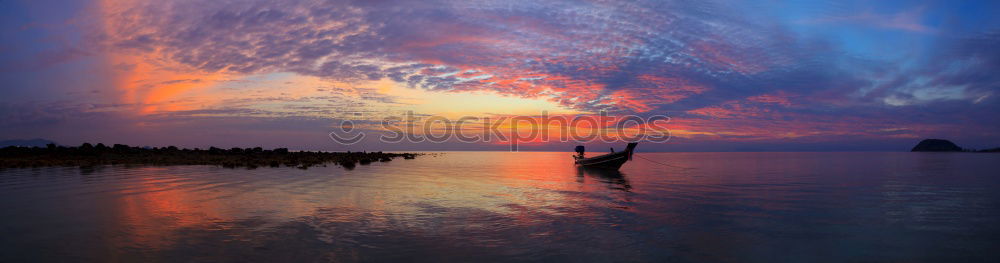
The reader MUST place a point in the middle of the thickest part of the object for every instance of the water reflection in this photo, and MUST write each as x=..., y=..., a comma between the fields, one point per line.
x=614, y=178
x=514, y=206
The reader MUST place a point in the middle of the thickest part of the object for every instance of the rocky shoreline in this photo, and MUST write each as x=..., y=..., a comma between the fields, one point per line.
x=88, y=155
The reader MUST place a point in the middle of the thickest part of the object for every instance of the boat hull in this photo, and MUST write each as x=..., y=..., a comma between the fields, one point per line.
x=612, y=161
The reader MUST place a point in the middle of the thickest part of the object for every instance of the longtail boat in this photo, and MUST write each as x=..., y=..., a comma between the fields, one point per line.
x=613, y=160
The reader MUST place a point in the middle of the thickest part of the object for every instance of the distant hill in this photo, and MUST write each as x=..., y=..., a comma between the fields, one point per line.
x=936, y=145
x=942, y=145
x=26, y=143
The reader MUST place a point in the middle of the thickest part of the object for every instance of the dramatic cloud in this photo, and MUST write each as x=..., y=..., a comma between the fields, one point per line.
x=725, y=71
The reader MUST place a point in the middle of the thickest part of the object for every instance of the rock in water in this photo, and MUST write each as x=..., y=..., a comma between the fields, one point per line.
x=936, y=145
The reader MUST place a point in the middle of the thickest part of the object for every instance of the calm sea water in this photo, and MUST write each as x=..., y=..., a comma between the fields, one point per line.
x=497, y=206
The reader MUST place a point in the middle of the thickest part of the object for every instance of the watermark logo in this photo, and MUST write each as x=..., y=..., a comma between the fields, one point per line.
x=511, y=130
x=346, y=134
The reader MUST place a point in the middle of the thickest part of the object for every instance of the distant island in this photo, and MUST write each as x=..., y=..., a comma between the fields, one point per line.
x=942, y=145
x=26, y=143
x=88, y=155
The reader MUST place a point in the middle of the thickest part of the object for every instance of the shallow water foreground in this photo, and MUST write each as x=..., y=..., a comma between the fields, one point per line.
x=498, y=206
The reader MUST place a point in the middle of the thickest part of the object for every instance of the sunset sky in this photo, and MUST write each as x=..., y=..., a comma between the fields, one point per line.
x=732, y=75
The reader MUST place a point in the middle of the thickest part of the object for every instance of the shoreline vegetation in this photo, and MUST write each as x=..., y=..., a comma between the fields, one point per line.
x=88, y=155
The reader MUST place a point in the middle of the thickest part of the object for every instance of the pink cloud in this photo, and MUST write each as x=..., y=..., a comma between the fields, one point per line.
x=909, y=20
x=780, y=98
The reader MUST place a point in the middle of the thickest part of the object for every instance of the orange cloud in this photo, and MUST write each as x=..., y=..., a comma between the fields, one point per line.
x=145, y=78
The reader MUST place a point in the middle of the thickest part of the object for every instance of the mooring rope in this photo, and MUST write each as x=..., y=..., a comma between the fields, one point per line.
x=668, y=165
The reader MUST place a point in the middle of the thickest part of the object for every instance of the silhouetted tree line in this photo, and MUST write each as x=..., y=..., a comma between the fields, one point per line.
x=88, y=155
